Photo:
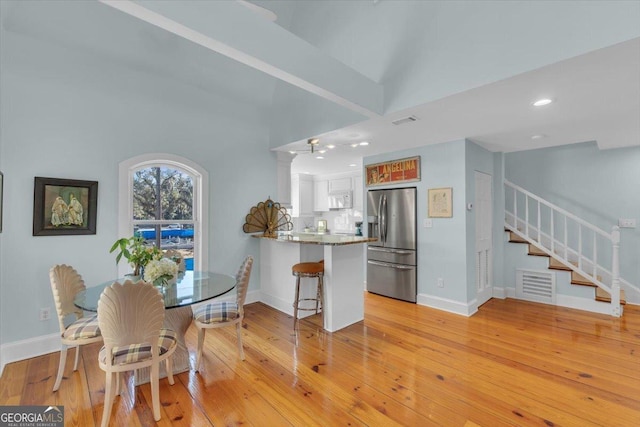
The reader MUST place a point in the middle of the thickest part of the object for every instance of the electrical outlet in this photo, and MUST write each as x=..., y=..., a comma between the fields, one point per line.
x=427, y=223
x=440, y=282
x=45, y=313
x=627, y=223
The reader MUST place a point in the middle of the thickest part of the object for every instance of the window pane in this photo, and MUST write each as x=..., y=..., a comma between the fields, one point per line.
x=169, y=236
x=162, y=193
x=145, y=193
x=176, y=189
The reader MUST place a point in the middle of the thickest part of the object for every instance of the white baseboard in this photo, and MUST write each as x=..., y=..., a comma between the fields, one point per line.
x=26, y=349
x=579, y=303
x=504, y=292
x=568, y=301
x=37, y=346
x=452, y=306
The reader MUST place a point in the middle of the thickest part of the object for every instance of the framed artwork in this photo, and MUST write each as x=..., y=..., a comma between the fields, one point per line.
x=64, y=206
x=394, y=171
x=1, y=197
x=440, y=203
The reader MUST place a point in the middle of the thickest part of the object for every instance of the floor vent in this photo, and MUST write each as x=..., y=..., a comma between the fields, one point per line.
x=538, y=286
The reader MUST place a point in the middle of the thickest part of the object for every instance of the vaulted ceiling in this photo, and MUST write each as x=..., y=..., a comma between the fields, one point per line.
x=343, y=71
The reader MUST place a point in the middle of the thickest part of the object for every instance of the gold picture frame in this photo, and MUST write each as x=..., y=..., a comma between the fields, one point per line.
x=440, y=202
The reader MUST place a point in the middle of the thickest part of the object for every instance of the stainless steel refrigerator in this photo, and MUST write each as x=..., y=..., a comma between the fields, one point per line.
x=391, y=261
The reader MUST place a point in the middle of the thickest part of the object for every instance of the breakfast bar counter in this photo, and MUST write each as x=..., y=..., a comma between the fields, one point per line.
x=344, y=257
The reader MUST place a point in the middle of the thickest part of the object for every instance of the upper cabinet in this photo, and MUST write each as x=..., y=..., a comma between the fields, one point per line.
x=358, y=193
x=339, y=184
x=302, y=200
x=321, y=195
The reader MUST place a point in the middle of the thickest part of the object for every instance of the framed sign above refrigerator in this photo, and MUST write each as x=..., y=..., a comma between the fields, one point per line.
x=394, y=171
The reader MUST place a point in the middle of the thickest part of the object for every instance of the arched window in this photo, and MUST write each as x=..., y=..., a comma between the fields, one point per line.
x=163, y=199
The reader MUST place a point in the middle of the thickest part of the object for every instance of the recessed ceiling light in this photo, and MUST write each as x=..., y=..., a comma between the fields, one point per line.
x=319, y=157
x=542, y=102
x=331, y=146
x=292, y=152
x=355, y=145
x=538, y=136
x=364, y=143
x=322, y=151
x=352, y=165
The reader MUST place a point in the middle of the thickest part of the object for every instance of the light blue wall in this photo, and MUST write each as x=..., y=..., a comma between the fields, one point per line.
x=442, y=249
x=599, y=186
x=425, y=50
x=71, y=114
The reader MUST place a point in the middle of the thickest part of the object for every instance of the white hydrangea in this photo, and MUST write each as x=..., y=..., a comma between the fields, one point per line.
x=164, y=268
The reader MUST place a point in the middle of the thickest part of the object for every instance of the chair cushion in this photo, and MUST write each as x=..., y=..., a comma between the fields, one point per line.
x=85, y=327
x=217, y=312
x=139, y=352
x=308, y=268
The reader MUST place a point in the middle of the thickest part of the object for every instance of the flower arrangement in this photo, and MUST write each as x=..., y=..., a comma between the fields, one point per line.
x=160, y=271
x=136, y=252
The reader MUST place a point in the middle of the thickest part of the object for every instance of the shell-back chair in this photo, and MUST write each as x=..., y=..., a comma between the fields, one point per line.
x=131, y=317
x=223, y=313
x=66, y=283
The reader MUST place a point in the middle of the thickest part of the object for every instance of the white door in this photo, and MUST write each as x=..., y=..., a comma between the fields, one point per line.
x=484, y=246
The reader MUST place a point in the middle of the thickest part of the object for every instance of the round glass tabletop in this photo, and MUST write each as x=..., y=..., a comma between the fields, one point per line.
x=190, y=288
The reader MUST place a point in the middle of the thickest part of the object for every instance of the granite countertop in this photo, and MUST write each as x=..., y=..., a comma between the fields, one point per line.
x=319, y=239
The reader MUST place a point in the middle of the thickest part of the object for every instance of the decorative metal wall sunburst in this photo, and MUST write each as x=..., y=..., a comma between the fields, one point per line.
x=268, y=217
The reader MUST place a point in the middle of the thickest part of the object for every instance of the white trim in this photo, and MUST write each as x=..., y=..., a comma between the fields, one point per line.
x=26, y=349
x=201, y=200
x=445, y=304
x=501, y=292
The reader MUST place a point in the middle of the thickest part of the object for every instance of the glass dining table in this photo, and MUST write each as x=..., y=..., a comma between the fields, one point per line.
x=191, y=287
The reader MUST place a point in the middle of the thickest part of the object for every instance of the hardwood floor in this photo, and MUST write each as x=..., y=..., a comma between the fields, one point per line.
x=512, y=363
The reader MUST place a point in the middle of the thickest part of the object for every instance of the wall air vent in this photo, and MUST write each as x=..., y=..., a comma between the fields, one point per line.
x=537, y=286
x=405, y=120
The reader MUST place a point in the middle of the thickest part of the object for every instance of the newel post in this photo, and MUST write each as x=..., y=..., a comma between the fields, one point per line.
x=616, y=310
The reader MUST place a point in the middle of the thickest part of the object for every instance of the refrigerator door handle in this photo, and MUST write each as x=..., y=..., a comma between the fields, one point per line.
x=396, y=266
x=393, y=251
x=384, y=218
x=380, y=214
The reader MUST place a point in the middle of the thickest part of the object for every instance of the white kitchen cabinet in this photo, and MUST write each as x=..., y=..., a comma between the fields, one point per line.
x=302, y=200
x=339, y=184
x=358, y=193
x=321, y=196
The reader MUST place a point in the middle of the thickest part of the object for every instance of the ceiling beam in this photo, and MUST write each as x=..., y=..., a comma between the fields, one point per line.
x=230, y=29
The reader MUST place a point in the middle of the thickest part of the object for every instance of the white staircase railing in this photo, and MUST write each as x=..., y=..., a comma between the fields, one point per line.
x=584, y=248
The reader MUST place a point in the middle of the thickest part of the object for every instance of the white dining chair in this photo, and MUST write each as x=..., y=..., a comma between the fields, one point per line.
x=76, y=330
x=131, y=316
x=223, y=313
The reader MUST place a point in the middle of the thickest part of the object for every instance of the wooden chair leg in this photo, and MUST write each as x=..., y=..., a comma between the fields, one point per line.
x=169, y=368
x=108, y=398
x=239, y=333
x=75, y=363
x=201, y=332
x=61, y=364
x=155, y=390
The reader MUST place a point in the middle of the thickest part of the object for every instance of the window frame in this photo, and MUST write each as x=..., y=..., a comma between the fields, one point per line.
x=200, y=177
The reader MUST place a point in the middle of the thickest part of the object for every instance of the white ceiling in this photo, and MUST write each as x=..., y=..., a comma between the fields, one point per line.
x=597, y=98
x=597, y=94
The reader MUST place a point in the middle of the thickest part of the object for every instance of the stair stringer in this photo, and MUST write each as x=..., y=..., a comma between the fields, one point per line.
x=567, y=294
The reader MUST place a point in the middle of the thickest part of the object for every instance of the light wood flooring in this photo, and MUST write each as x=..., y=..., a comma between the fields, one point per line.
x=512, y=363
